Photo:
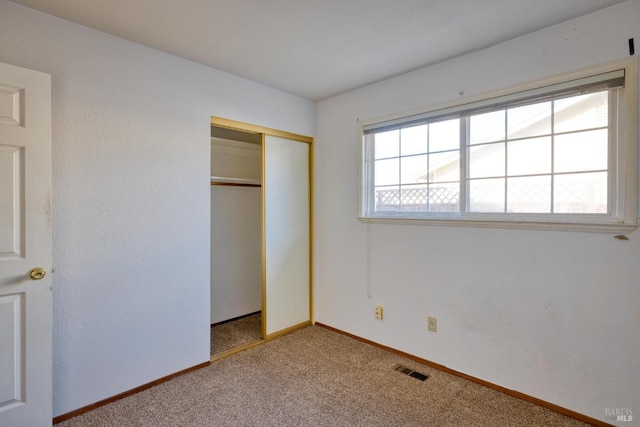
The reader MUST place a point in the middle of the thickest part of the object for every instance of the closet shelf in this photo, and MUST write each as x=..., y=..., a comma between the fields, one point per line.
x=239, y=182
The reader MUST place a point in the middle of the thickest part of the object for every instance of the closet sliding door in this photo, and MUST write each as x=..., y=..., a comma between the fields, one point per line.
x=287, y=234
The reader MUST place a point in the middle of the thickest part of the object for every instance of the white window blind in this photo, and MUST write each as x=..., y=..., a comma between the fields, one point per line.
x=608, y=80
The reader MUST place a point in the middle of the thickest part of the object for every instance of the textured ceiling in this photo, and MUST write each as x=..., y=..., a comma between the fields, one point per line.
x=317, y=48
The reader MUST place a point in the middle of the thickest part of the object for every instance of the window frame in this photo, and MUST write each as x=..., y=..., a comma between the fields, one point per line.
x=622, y=162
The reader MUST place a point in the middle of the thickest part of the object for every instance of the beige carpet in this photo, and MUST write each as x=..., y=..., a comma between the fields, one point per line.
x=316, y=377
x=229, y=335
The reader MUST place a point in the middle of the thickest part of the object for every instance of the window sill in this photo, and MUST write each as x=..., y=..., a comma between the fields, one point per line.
x=598, y=227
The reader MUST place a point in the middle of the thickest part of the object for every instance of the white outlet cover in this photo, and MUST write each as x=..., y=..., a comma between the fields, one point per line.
x=432, y=324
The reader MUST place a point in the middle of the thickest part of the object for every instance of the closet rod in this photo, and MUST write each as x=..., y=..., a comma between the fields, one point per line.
x=235, y=184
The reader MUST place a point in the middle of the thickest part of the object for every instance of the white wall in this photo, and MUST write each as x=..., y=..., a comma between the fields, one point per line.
x=130, y=198
x=551, y=314
x=236, y=231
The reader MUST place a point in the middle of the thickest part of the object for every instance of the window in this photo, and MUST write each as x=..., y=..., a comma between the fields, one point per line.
x=560, y=153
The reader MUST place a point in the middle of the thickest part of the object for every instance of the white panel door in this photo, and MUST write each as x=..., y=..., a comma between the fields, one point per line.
x=287, y=233
x=25, y=244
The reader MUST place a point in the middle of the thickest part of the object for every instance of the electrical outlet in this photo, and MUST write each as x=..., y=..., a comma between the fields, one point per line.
x=432, y=324
x=379, y=312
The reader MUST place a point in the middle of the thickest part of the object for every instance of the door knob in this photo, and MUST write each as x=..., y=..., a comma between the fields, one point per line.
x=37, y=273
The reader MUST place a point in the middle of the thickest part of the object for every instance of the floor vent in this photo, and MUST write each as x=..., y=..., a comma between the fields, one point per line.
x=417, y=375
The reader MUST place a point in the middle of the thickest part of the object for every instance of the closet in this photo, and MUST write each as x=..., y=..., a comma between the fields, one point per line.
x=260, y=226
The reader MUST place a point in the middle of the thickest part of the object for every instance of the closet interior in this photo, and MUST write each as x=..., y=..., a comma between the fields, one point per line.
x=236, y=239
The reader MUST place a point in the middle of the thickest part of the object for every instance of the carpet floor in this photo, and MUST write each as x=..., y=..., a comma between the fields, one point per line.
x=316, y=377
x=232, y=334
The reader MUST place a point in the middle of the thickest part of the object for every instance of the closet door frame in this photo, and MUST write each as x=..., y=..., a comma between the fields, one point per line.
x=264, y=131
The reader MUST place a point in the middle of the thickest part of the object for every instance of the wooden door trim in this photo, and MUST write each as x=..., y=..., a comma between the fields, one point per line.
x=247, y=127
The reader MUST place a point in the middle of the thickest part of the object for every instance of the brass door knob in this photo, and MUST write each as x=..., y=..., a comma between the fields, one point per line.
x=37, y=273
